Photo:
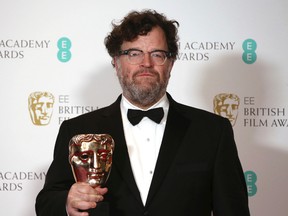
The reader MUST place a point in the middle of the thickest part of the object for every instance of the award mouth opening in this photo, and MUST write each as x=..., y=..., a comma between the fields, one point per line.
x=96, y=179
x=93, y=175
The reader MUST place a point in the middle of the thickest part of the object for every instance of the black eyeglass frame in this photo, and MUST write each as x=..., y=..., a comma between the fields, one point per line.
x=126, y=52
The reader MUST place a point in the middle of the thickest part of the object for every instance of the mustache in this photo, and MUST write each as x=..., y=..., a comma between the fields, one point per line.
x=145, y=70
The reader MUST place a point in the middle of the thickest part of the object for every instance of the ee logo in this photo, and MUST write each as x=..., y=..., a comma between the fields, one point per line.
x=64, y=46
x=251, y=179
x=249, y=55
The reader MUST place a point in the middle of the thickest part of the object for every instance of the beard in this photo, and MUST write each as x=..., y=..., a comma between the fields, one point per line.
x=144, y=91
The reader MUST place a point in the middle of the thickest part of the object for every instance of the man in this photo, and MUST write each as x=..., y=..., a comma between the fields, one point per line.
x=185, y=164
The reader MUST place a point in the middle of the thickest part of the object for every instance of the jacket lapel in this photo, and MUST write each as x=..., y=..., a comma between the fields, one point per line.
x=175, y=130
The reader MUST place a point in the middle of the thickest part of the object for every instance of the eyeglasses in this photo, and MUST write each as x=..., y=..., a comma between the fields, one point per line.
x=135, y=56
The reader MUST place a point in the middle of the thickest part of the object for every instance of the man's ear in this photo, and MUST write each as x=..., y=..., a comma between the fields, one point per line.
x=171, y=66
x=113, y=62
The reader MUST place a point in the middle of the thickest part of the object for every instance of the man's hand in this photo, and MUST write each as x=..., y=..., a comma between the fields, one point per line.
x=81, y=197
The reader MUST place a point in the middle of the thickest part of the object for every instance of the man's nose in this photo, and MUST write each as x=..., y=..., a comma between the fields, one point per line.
x=147, y=61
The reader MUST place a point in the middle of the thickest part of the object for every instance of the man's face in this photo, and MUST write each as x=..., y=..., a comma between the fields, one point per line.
x=42, y=109
x=91, y=160
x=144, y=83
x=229, y=109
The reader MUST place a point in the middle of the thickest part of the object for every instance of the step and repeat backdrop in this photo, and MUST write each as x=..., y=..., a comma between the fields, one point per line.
x=54, y=66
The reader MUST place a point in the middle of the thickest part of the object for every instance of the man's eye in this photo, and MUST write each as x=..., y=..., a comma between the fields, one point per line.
x=134, y=53
x=157, y=55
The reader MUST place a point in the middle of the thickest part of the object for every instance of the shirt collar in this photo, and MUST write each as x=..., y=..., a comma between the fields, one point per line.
x=163, y=102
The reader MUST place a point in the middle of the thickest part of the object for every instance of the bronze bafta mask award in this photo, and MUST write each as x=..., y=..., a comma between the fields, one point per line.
x=90, y=156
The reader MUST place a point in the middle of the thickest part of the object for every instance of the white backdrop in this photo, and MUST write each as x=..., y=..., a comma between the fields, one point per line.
x=215, y=57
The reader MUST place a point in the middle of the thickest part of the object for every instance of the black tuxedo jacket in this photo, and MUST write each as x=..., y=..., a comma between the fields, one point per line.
x=197, y=172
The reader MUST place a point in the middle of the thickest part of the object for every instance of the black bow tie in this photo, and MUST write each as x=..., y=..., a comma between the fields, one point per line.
x=135, y=116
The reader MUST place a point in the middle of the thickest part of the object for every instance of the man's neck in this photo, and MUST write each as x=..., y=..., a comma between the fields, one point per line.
x=141, y=105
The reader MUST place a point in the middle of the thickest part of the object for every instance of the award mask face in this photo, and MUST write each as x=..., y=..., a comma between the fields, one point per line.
x=41, y=107
x=227, y=105
x=90, y=156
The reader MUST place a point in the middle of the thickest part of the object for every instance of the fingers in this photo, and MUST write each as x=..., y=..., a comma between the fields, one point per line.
x=101, y=191
x=82, y=196
x=75, y=212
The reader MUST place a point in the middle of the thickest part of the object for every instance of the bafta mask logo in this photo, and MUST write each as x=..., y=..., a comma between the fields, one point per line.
x=41, y=107
x=227, y=105
x=90, y=156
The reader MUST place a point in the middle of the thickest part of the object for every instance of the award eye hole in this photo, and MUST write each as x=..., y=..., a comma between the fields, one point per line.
x=84, y=157
x=223, y=108
x=235, y=107
x=103, y=156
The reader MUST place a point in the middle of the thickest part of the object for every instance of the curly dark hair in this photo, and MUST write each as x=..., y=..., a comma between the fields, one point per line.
x=141, y=23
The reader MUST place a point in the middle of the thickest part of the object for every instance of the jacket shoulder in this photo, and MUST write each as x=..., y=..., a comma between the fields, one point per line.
x=194, y=113
x=112, y=109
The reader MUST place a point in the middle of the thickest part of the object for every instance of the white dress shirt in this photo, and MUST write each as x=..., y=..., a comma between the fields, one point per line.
x=143, y=143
